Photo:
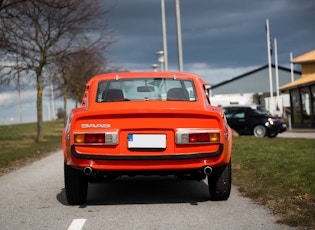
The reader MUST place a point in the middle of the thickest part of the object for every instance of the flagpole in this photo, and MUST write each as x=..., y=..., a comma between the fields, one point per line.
x=179, y=36
x=276, y=65
x=164, y=35
x=277, y=75
x=291, y=64
x=269, y=64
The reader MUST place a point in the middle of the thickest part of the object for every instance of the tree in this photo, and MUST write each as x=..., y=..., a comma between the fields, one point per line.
x=38, y=33
x=60, y=113
x=75, y=69
x=79, y=67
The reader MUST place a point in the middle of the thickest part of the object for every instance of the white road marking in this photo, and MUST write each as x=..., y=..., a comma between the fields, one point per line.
x=77, y=224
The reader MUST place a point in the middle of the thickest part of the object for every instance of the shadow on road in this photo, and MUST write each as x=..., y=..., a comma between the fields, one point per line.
x=144, y=190
x=61, y=197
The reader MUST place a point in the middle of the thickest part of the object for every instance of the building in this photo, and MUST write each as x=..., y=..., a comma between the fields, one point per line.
x=254, y=88
x=302, y=93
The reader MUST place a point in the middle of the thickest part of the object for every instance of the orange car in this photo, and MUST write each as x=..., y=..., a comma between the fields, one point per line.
x=146, y=123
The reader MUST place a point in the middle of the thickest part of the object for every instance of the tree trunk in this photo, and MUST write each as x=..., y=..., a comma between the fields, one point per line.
x=65, y=103
x=76, y=102
x=39, y=82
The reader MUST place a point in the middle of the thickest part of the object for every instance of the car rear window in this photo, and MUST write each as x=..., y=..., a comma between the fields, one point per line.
x=146, y=89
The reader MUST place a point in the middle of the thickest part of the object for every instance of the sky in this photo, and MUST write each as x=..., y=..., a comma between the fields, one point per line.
x=221, y=39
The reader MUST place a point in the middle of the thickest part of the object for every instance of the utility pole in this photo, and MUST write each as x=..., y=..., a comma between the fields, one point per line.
x=179, y=37
x=269, y=58
x=269, y=65
x=164, y=36
x=161, y=57
x=19, y=88
x=52, y=101
x=19, y=95
x=276, y=65
x=292, y=68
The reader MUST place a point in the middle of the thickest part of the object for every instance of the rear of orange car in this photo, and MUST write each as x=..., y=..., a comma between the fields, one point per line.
x=135, y=139
x=131, y=136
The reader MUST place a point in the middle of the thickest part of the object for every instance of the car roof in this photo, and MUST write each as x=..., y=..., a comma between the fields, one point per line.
x=126, y=75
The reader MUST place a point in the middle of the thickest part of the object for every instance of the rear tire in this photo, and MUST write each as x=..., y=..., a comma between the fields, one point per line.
x=76, y=185
x=259, y=131
x=219, y=182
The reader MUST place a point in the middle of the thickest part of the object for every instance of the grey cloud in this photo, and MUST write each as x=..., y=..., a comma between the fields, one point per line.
x=225, y=33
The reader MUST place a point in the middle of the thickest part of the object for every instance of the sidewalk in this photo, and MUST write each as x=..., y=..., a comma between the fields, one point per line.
x=298, y=133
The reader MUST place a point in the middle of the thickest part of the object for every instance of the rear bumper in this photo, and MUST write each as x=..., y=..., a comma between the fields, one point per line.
x=147, y=157
x=176, y=164
x=280, y=128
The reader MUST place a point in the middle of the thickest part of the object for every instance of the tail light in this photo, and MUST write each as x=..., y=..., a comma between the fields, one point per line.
x=198, y=137
x=108, y=138
x=94, y=138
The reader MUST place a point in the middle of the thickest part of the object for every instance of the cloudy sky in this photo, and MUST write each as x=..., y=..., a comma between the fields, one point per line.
x=221, y=39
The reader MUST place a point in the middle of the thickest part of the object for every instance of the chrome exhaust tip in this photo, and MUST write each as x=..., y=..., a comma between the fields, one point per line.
x=207, y=170
x=87, y=171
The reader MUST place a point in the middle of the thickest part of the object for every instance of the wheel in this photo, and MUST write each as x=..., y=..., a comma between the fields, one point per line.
x=76, y=185
x=272, y=135
x=259, y=131
x=219, y=182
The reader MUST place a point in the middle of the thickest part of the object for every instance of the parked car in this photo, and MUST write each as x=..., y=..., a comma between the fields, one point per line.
x=154, y=123
x=247, y=120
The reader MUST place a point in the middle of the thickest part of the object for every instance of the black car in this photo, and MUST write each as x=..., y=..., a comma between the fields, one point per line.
x=247, y=120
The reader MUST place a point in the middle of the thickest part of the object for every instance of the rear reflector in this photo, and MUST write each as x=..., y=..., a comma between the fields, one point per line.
x=109, y=138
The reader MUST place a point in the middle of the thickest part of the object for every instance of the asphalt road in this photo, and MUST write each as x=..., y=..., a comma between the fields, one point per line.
x=33, y=197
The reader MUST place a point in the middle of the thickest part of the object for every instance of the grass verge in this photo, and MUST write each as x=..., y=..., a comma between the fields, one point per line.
x=276, y=172
x=19, y=146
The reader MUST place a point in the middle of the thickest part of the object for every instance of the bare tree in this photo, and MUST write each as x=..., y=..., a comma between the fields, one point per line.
x=75, y=69
x=41, y=32
x=85, y=64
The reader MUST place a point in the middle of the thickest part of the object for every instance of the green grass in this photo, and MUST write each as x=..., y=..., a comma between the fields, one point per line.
x=19, y=146
x=276, y=172
x=279, y=173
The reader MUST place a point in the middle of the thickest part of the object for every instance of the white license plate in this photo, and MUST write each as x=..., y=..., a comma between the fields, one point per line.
x=147, y=141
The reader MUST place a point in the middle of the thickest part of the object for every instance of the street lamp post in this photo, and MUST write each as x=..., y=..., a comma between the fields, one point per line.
x=154, y=67
x=160, y=55
x=179, y=37
x=164, y=35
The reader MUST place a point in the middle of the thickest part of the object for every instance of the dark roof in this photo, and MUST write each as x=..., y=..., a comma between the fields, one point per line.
x=251, y=72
